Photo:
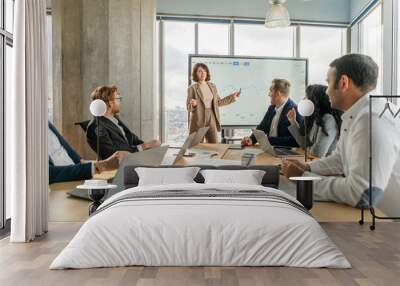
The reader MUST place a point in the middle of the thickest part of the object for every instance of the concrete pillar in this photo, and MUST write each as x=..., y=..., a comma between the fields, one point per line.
x=124, y=59
x=99, y=42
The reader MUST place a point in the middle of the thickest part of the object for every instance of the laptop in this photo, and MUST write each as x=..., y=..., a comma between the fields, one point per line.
x=151, y=157
x=266, y=146
x=171, y=158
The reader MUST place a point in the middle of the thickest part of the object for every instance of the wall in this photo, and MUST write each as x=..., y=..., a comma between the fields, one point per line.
x=99, y=42
x=322, y=11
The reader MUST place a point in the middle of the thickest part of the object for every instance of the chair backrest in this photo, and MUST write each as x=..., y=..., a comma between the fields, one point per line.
x=270, y=179
x=83, y=124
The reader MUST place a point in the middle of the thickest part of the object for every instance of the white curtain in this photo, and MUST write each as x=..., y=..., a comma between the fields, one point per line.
x=26, y=124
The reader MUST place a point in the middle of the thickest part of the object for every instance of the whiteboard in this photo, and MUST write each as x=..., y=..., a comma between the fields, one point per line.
x=253, y=75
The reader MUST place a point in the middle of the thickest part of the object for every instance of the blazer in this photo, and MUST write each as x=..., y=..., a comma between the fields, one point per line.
x=321, y=144
x=78, y=171
x=284, y=137
x=196, y=116
x=111, y=137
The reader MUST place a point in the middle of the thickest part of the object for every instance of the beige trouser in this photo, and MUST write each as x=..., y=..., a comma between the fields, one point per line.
x=211, y=135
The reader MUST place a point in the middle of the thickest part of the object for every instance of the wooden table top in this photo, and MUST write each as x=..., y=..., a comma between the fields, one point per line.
x=62, y=210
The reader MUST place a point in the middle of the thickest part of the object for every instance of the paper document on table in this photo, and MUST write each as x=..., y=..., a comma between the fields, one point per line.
x=218, y=162
x=251, y=151
x=202, y=152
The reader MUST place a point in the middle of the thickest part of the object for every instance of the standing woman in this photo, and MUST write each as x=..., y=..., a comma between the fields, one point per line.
x=203, y=103
x=324, y=124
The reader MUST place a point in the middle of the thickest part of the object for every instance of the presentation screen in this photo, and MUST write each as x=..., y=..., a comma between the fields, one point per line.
x=253, y=75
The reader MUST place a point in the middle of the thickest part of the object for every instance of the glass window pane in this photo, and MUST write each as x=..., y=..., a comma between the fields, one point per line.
x=9, y=9
x=371, y=40
x=8, y=69
x=257, y=40
x=321, y=46
x=179, y=43
x=214, y=39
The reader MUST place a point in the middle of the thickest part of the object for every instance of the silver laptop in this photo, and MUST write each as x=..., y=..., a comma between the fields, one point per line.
x=171, y=158
x=151, y=157
x=266, y=146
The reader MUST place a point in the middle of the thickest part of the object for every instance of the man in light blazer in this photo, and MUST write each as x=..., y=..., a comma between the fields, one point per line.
x=203, y=103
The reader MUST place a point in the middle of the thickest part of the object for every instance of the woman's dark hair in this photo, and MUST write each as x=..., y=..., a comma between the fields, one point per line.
x=204, y=67
x=317, y=94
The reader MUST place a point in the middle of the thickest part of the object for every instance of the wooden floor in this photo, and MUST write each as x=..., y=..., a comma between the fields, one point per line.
x=375, y=257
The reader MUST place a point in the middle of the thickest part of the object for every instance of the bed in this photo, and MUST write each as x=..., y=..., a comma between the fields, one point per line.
x=199, y=224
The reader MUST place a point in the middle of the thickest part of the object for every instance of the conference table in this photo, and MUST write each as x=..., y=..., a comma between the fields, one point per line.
x=64, y=208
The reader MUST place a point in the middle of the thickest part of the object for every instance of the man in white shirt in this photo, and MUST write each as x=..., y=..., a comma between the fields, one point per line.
x=345, y=173
x=66, y=165
x=275, y=122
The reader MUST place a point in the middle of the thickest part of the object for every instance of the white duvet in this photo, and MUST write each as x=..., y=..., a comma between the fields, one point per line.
x=200, y=231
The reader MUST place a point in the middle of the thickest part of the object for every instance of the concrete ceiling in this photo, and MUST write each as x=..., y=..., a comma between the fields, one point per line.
x=340, y=11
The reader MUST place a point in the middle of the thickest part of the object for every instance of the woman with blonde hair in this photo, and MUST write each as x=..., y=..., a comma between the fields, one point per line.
x=203, y=103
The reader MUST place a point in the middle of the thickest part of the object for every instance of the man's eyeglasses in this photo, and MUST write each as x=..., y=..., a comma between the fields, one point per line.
x=118, y=98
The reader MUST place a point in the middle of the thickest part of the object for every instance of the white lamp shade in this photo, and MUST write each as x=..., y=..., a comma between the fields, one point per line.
x=98, y=107
x=305, y=107
x=277, y=16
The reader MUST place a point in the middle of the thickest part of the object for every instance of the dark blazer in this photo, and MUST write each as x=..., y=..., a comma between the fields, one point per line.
x=284, y=138
x=79, y=171
x=111, y=137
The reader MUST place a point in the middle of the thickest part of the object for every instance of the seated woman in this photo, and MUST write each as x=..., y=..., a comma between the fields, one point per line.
x=323, y=125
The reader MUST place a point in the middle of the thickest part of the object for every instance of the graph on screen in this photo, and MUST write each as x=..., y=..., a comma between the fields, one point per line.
x=253, y=75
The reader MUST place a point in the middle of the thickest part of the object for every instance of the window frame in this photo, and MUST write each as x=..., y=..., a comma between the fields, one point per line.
x=6, y=39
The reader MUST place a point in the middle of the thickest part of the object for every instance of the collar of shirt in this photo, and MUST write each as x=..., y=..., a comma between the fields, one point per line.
x=279, y=109
x=356, y=107
x=112, y=118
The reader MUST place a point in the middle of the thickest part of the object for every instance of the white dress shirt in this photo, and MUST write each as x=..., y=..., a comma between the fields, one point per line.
x=345, y=173
x=57, y=152
x=273, y=131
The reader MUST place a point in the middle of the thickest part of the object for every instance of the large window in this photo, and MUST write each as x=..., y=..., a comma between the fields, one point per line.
x=179, y=42
x=321, y=46
x=7, y=63
x=180, y=38
x=371, y=40
x=257, y=40
x=213, y=39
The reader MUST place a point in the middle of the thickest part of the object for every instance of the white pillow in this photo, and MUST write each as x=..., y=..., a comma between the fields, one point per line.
x=166, y=176
x=248, y=177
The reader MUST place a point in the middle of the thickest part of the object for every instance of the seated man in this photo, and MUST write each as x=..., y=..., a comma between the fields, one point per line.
x=275, y=123
x=345, y=173
x=66, y=165
x=114, y=134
